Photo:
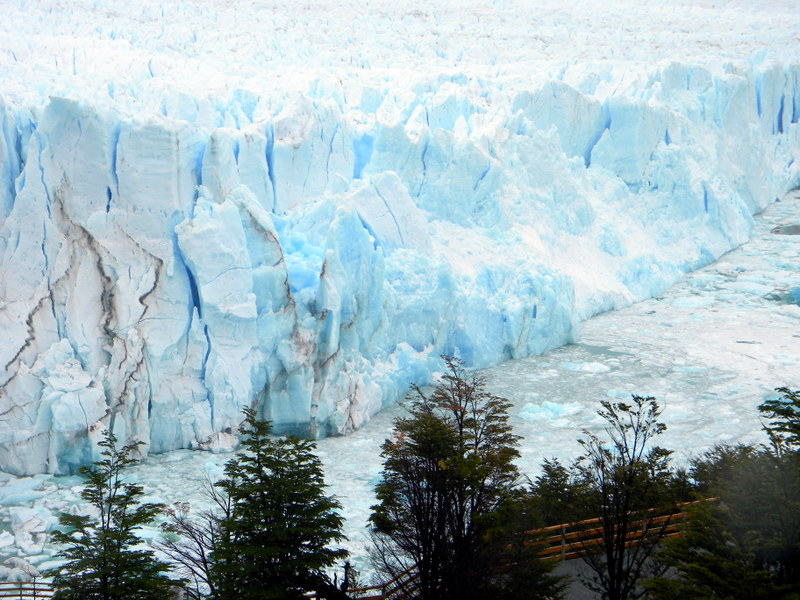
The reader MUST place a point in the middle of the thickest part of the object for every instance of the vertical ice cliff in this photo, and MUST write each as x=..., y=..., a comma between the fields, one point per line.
x=159, y=274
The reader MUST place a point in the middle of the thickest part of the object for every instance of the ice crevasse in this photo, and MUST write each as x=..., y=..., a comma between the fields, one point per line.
x=160, y=273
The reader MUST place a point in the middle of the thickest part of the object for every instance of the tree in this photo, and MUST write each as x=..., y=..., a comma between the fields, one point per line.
x=624, y=477
x=273, y=543
x=741, y=546
x=521, y=573
x=558, y=495
x=190, y=542
x=102, y=561
x=409, y=523
x=785, y=415
x=448, y=479
x=747, y=545
x=708, y=562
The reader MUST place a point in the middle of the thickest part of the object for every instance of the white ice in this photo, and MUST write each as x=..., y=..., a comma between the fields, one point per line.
x=300, y=206
x=290, y=210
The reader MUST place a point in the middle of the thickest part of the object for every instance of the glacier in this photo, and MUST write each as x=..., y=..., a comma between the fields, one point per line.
x=658, y=347
x=310, y=241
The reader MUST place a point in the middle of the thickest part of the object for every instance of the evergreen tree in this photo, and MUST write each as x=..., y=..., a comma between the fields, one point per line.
x=274, y=541
x=102, y=561
x=520, y=573
x=746, y=545
x=559, y=495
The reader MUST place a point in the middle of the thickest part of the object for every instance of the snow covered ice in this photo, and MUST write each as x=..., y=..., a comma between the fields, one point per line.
x=303, y=205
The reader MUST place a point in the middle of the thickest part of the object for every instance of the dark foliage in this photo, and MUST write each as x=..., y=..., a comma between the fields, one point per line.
x=625, y=476
x=446, y=492
x=558, y=495
x=274, y=540
x=101, y=554
x=785, y=415
x=707, y=562
x=608, y=493
x=746, y=546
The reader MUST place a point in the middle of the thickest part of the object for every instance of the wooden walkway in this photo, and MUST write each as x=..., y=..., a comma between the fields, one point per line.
x=572, y=540
x=559, y=542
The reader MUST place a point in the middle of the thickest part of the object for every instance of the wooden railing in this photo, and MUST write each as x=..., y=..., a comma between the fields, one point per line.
x=25, y=589
x=559, y=542
x=572, y=540
x=404, y=585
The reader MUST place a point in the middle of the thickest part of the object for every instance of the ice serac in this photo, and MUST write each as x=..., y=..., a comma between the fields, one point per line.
x=159, y=275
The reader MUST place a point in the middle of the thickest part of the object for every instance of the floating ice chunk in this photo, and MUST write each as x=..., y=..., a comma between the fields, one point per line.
x=689, y=368
x=588, y=367
x=20, y=570
x=220, y=442
x=549, y=411
x=618, y=394
x=19, y=490
x=30, y=528
x=750, y=287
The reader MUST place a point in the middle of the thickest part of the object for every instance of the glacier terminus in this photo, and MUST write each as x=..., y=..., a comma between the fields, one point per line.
x=198, y=217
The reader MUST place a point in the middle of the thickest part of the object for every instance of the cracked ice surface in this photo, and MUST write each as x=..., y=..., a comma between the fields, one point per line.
x=207, y=207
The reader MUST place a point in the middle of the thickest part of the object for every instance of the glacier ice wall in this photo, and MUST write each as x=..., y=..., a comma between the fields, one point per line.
x=160, y=273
